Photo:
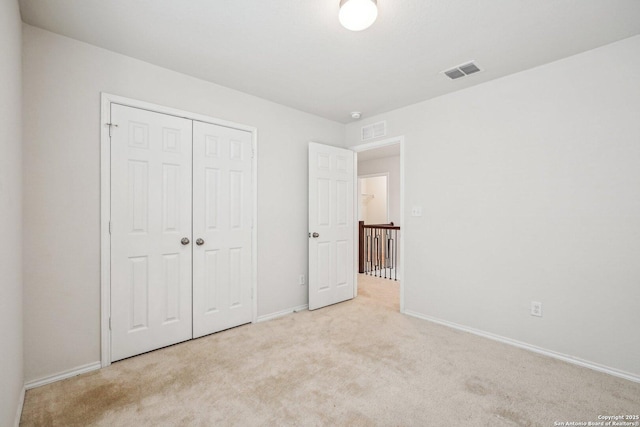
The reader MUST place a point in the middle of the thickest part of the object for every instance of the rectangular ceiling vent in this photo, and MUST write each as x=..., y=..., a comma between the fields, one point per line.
x=375, y=130
x=462, y=70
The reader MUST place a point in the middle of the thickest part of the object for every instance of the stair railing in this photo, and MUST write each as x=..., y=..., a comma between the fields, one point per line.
x=378, y=248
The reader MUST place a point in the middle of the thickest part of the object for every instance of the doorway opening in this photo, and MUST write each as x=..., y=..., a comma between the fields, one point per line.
x=380, y=192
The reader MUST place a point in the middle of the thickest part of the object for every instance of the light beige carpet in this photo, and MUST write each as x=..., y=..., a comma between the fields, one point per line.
x=358, y=363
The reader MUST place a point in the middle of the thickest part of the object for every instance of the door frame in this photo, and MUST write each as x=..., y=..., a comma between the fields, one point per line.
x=368, y=146
x=106, y=100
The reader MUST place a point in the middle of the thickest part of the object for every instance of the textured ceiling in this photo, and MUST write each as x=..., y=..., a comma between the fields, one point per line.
x=295, y=52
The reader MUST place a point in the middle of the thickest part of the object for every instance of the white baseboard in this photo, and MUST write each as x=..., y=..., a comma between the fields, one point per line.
x=550, y=353
x=19, y=409
x=282, y=313
x=63, y=375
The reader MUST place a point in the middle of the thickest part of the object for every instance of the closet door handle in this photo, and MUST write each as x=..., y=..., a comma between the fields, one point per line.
x=184, y=241
x=199, y=242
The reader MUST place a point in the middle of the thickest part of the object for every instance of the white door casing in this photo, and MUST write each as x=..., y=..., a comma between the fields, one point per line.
x=331, y=225
x=379, y=144
x=150, y=215
x=222, y=223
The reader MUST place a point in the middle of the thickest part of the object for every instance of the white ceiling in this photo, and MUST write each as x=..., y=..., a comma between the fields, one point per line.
x=295, y=52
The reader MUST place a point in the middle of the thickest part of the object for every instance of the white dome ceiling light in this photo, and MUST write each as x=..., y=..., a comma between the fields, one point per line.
x=357, y=15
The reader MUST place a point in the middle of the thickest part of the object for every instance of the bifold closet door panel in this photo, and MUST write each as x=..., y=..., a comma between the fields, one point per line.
x=151, y=220
x=222, y=216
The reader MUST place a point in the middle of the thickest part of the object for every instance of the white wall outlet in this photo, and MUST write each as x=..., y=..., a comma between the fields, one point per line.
x=416, y=211
x=536, y=308
x=301, y=279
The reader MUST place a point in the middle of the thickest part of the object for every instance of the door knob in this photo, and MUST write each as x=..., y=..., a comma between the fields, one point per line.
x=199, y=242
x=315, y=235
x=184, y=241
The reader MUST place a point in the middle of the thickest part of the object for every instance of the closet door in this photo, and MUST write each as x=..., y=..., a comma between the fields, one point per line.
x=222, y=215
x=151, y=172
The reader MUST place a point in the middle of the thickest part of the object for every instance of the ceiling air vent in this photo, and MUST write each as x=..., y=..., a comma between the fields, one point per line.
x=462, y=70
x=454, y=74
x=375, y=130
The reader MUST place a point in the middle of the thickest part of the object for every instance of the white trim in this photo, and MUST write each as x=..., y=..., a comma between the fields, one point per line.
x=105, y=204
x=105, y=241
x=356, y=226
x=254, y=226
x=374, y=175
x=282, y=313
x=63, y=375
x=173, y=112
x=403, y=224
x=378, y=144
x=550, y=353
x=16, y=423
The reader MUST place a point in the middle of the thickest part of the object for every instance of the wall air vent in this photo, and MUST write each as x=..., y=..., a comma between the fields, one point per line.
x=375, y=130
x=462, y=70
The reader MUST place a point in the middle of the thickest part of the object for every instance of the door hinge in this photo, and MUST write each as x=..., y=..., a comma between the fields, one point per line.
x=110, y=126
x=109, y=323
x=253, y=153
x=109, y=227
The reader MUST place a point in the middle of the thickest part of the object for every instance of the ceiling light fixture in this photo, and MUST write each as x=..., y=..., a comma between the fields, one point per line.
x=357, y=15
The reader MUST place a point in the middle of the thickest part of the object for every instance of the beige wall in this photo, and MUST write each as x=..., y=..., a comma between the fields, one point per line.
x=529, y=186
x=63, y=81
x=389, y=165
x=373, y=195
x=11, y=360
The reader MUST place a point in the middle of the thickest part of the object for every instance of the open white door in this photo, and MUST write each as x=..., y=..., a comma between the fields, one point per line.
x=331, y=225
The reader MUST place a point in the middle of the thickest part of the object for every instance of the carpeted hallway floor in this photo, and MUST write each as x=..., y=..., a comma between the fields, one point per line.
x=357, y=363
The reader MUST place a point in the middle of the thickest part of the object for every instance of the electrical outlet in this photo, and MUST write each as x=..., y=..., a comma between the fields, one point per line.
x=536, y=308
x=416, y=211
x=301, y=279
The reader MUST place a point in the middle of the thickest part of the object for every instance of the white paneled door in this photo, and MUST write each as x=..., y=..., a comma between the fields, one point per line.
x=150, y=217
x=222, y=216
x=181, y=229
x=331, y=225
